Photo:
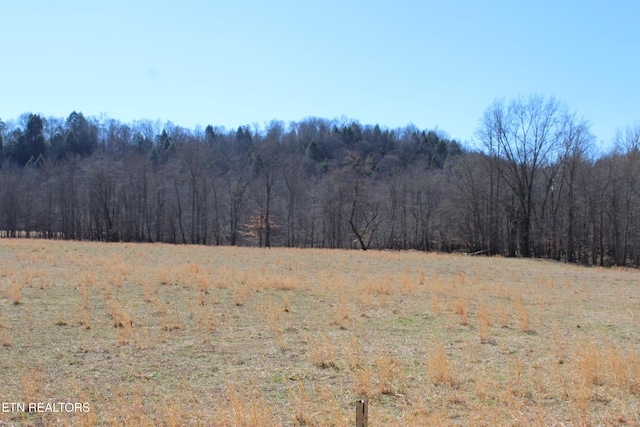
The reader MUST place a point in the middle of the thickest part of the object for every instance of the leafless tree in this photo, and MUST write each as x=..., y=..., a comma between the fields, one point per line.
x=522, y=137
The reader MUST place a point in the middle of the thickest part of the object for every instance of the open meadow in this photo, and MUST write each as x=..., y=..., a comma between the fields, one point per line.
x=160, y=335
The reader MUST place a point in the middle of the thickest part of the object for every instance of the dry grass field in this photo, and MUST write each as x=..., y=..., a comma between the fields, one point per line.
x=159, y=335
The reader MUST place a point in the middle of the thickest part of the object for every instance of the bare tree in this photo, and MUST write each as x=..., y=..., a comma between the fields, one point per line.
x=267, y=166
x=194, y=165
x=521, y=137
x=364, y=216
x=10, y=206
x=577, y=143
x=102, y=181
x=293, y=175
x=625, y=175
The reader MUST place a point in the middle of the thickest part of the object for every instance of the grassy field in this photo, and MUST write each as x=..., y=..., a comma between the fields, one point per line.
x=159, y=335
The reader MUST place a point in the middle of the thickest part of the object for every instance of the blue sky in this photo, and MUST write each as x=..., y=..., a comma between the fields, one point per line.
x=435, y=64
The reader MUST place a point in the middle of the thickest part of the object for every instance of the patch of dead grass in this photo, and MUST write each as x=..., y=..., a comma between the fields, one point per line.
x=191, y=335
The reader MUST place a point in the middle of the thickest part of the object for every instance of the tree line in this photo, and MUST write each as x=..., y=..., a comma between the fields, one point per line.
x=533, y=187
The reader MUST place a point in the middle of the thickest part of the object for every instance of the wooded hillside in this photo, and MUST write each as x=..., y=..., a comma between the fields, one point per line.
x=535, y=188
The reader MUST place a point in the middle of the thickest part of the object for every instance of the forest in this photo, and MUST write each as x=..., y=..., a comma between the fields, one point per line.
x=534, y=186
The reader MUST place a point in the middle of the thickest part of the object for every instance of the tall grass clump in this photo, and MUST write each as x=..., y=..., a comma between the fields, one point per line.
x=439, y=366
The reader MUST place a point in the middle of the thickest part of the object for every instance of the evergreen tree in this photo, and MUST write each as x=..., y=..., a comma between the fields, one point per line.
x=164, y=141
x=313, y=152
x=82, y=138
x=209, y=136
x=243, y=140
x=29, y=144
x=1, y=141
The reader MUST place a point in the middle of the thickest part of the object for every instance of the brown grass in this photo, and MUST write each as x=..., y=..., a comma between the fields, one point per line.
x=390, y=374
x=15, y=290
x=484, y=324
x=439, y=366
x=183, y=335
x=460, y=309
x=322, y=351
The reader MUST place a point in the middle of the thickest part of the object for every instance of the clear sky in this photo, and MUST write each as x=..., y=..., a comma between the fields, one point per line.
x=435, y=64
